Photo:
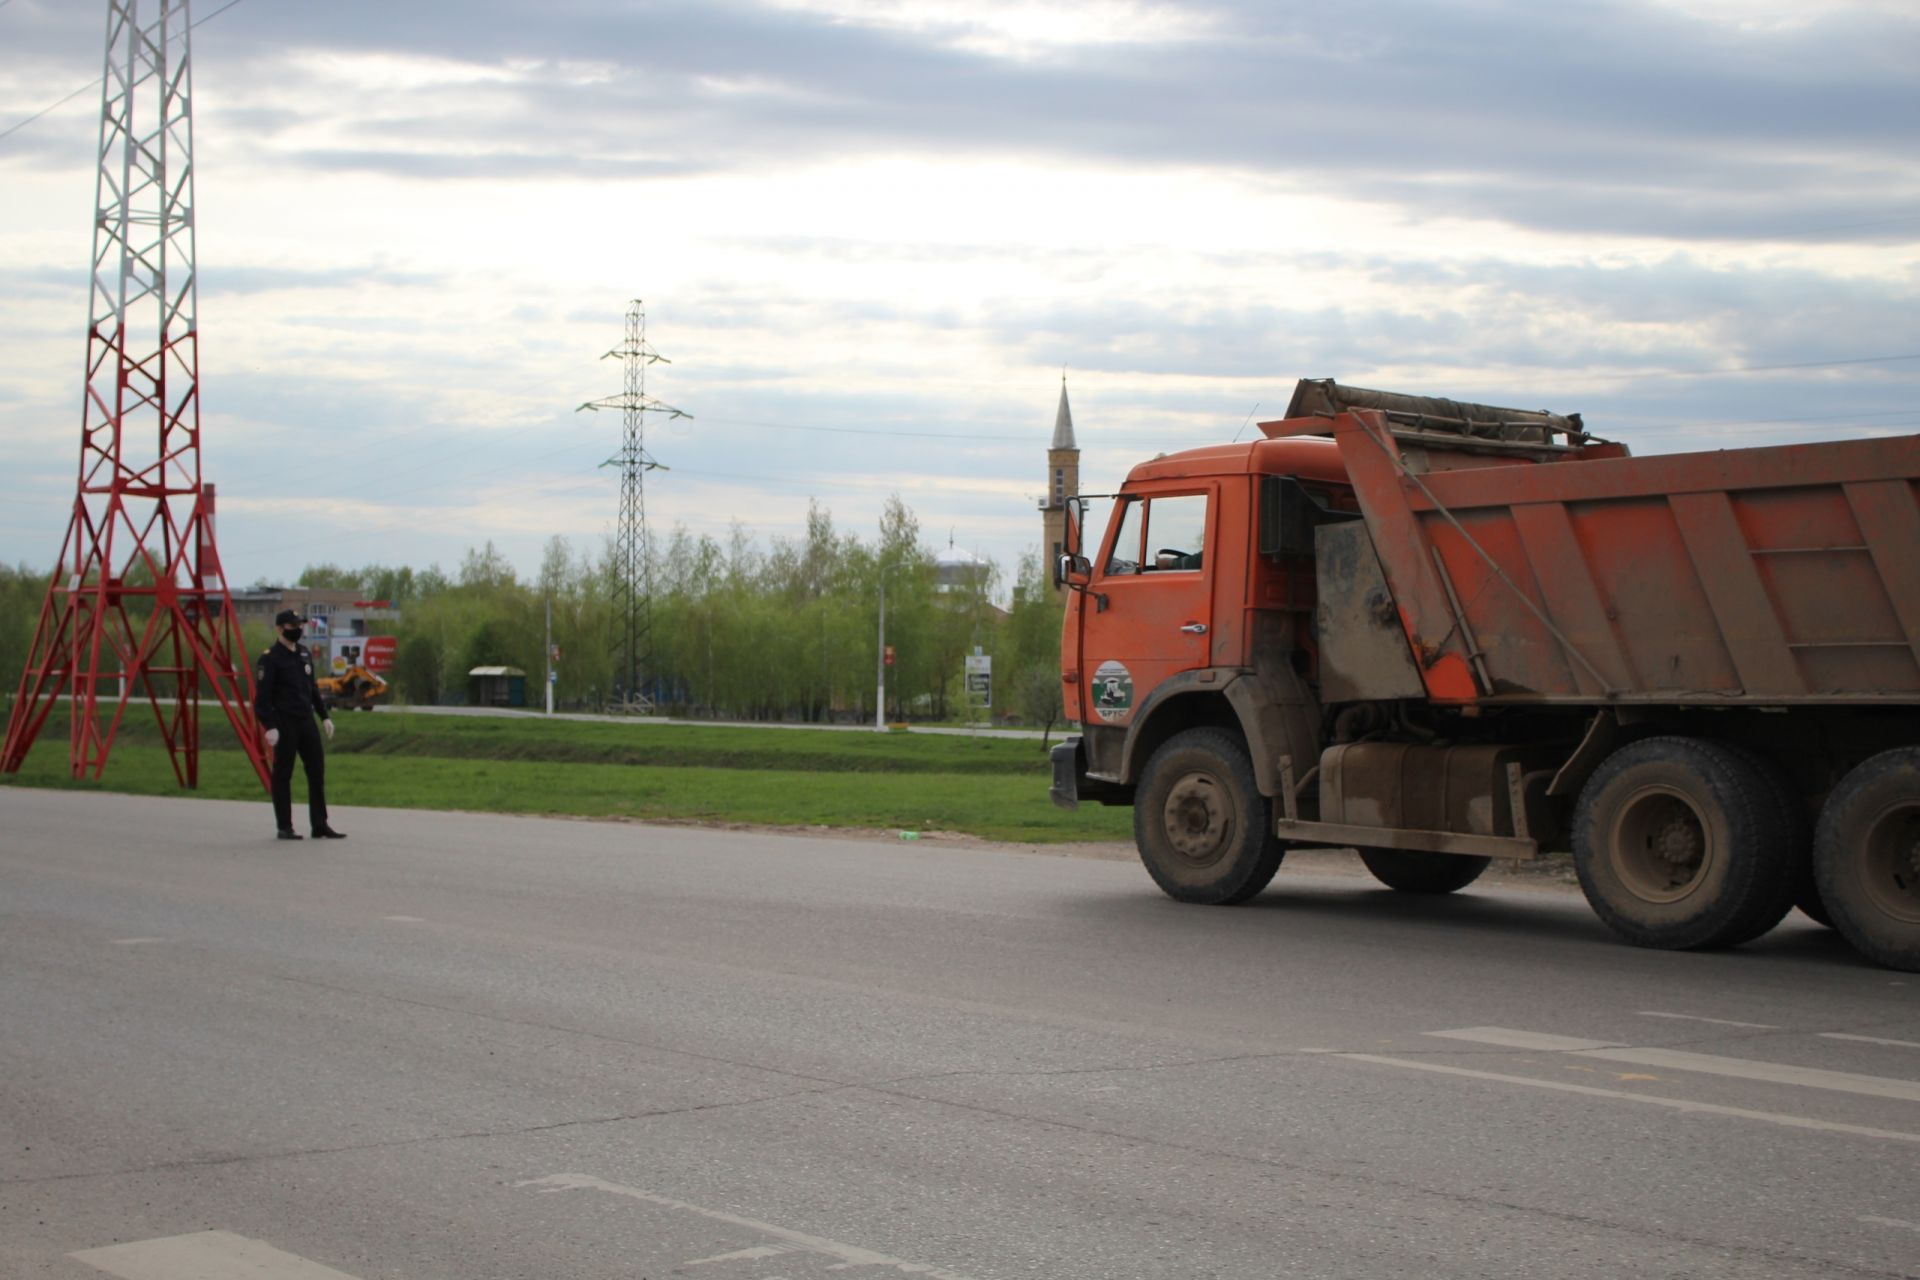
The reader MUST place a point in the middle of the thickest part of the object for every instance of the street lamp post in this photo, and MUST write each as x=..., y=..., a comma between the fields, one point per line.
x=880, y=660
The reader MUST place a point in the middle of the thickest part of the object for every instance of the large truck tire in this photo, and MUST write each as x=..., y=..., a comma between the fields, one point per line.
x=1200, y=822
x=1423, y=872
x=1678, y=846
x=1796, y=827
x=1866, y=858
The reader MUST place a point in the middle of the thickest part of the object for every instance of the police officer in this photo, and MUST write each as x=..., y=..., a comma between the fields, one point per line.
x=286, y=702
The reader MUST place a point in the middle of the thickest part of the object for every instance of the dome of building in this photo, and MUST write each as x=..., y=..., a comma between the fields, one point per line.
x=955, y=567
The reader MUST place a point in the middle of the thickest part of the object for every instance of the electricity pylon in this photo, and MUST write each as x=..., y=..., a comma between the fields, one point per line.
x=138, y=604
x=634, y=589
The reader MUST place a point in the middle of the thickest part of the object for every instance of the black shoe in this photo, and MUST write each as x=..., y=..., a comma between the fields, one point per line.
x=328, y=833
x=288, y=833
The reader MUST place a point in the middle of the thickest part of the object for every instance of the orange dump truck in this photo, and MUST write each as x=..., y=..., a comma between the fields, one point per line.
x=1442, y=633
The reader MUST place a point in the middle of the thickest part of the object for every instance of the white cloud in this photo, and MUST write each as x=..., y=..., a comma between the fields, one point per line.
x=899, y=220
x=1018, y=29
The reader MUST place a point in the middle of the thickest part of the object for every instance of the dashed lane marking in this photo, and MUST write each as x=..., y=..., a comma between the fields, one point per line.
x=135, y=942
x=1702, y=1063
x=1898, y=1044
x=204, y=1255
x=1507, y=1038
x=406, y=919
x=1674, y=1104
x=1875, y=1220
x=1718, y=1022
x=847, y=1254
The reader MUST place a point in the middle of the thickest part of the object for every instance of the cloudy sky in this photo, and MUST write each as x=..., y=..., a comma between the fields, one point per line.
x=870, y=234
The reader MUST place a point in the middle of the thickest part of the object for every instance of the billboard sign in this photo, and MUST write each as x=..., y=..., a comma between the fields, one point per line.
x=377, y=653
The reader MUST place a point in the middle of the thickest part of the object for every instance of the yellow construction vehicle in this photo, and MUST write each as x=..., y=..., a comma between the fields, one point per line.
x=355, y=689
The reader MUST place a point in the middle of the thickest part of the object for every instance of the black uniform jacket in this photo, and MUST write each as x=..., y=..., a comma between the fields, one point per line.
x=284, y=689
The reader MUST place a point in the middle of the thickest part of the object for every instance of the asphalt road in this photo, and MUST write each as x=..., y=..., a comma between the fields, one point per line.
x=460, y=1047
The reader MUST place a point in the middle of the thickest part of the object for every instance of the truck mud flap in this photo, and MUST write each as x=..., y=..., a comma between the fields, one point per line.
x=1073, y=784
x=1065, y=790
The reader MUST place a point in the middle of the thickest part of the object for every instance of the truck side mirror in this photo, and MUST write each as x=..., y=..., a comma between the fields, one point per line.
x=1075, y=571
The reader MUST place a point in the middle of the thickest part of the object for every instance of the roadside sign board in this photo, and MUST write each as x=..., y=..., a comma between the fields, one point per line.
x=980, y=677
x=378, y=653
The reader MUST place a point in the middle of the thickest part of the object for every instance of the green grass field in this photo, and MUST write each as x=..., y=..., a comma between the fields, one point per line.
x=988, y=786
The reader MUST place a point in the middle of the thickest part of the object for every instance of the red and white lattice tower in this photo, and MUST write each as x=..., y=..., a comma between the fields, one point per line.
x=138, y=606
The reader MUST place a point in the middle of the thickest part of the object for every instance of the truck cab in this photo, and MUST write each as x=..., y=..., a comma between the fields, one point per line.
x=1194, y=609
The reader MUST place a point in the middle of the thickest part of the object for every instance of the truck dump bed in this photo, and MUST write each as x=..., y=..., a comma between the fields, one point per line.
x=1522, y=569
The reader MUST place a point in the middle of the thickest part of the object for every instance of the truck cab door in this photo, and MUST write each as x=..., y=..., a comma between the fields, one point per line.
x=1148, y=611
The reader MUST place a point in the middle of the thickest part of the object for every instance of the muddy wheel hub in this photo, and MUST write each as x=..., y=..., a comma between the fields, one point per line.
x=1197, y=818
x=1677, y=841
x=1660, y=846
x=1893, y=862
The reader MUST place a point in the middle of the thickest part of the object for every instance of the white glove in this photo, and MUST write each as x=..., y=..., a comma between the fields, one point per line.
x=273, y=737
x=327, y=727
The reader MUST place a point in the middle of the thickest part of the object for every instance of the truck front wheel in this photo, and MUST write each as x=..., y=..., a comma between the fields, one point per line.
x=1677, y=845
x=1200, y=821
x=1866, y=858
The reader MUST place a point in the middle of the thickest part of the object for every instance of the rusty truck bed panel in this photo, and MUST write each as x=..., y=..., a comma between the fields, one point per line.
x=1772, y=575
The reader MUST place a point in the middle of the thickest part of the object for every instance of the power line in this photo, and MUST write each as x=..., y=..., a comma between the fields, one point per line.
x=1805, y=364
x=95, y=82
x=9, y=132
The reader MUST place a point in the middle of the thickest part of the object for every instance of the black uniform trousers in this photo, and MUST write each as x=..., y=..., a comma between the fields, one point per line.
x=299, y=736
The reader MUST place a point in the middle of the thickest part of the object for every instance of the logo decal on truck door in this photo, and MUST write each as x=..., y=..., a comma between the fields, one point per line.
x=1112, y=691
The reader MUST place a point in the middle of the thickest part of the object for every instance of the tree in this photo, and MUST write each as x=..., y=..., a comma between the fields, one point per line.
x=1031, y=636
x=780, y=630
x=416, y=667
x=485, y=569
x=22, y=592
x=1036, y=695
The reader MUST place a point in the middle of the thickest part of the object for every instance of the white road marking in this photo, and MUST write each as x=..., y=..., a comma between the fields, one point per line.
x=1898, y=1044
x=406, y=919
x=1507, y=1038
x=1676, y=1104
x=135, y=942
x=1703, y=1063
x=204, y=1255
x=744, y=1255
x=1874, y=1220
x=851, y=1255
x=1718, y=1022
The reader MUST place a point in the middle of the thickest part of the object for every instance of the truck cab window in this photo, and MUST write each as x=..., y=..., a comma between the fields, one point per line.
x=1176, y=533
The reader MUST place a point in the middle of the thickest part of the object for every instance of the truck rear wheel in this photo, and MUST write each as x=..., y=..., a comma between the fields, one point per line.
x=1423, y=872
x=1866, y=858
x=1200, y=822
x=1796, y=829
x=1677, y=846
